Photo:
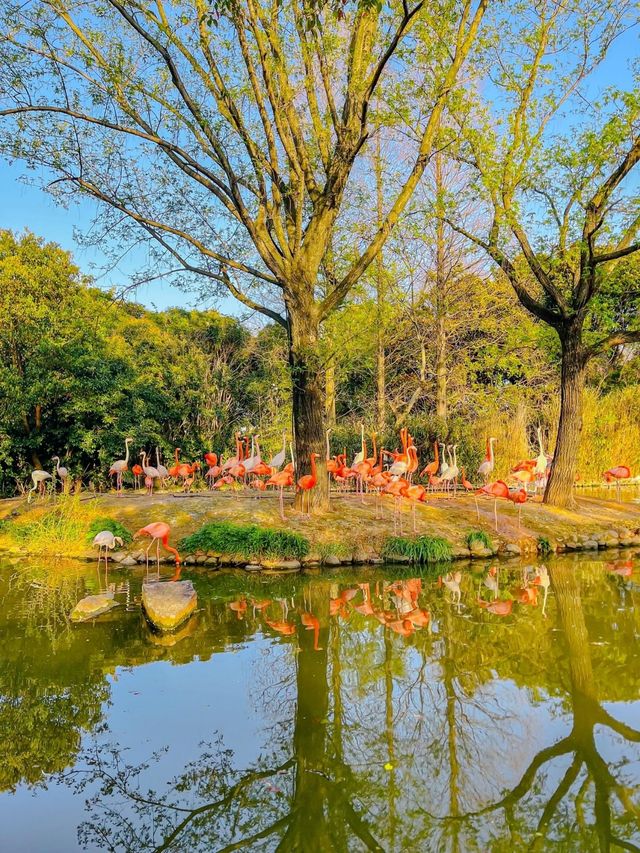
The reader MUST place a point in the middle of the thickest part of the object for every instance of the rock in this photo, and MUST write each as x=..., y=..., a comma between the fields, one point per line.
x=311, y=558
x=590, y=545
x=332, y=560
x=634, y=540
x=572, y=545
x=92, y=606
x=211, y=561
x=513, y=548
x=609, y=543
x=477, y=545
x=168, y=605
x=128, y=561
x=281, y=565
x=376, y=561
x=253, y=567
x=201, y=559
x=611, y=534
x=398, y=558
x=190, y=560
x=478, y=553
x=623, y=533
x=361, y=557
x=459, y=552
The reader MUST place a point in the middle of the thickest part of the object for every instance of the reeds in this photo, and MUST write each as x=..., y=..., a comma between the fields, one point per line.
x=248, y=541
x=422, y=549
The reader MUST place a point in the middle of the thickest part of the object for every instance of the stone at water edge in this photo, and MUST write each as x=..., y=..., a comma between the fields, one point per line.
x=168, y=604
x=92, y=606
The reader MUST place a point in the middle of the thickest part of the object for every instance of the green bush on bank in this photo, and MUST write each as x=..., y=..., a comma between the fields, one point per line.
x=248, y=541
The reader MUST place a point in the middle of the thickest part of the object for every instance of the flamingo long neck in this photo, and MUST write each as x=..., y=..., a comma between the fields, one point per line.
x=144, y=461
x=540, y=441
x=157, y=458
x=455, y=457
x=375, y=449
x=491, y=450
x=313, y=467
x=126, y=451
x=437, y=454
x=176, y=454
x=328, y=446
x=165, y=542
x=57, y=466
x=363, y=445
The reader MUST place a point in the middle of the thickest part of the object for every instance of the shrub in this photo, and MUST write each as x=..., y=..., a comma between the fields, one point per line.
x=544, y=546
x=246, y=541
x=106, y=523
x=479, y=536
x=422, y=549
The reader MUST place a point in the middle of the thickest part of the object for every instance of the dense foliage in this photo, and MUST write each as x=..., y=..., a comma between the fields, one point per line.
x=247, y=541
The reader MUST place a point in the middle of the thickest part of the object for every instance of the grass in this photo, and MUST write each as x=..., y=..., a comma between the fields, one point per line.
x=544, y=546
x=58, y=530
x=479, y=536
x=422, y=549
x=247, y=541
x=106, y=523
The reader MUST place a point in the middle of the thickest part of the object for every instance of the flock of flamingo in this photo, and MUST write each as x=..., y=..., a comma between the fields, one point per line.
x=383, y=473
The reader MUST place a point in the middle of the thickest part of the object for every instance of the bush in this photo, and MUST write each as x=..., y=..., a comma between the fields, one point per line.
x=544, y=546
x=422, y=549
x=247, y=541
x=479, y=536
x=106, y=523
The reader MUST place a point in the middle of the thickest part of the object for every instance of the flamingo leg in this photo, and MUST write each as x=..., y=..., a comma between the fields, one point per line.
x=415, y=530
x=477, y=507
x=495, y=513
x=158, y=554
x=147, y=553
x=281, y=502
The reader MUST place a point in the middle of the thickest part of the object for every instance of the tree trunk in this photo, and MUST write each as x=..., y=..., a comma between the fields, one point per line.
x=330, y=392
x=559, y=491
x=381, y=391
x=308, y=405
x=441, y=298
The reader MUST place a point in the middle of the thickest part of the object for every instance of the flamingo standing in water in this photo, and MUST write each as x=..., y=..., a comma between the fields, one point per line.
x=120, y=466
x=620, y=472
x=308, y=482
x=159, y=532
x=105, y=539
x=486, y=468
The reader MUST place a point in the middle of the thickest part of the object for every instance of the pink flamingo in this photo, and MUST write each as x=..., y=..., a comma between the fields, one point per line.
x=308, y=482
x=159, y=532
x=486, y=468
x=496, y=490
x=120, y=466
x=620, y=472
x=281, y=480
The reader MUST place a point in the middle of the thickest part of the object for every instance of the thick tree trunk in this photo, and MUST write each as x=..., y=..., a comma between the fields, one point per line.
x=559, y=491
x=381, y=388
x=308, y=405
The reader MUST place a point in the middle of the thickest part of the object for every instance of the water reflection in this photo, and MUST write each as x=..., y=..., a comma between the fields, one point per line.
x=391, y=714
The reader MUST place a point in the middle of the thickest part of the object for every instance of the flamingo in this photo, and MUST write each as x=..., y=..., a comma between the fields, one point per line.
x=499, y=608
x=60, y=471
x=486, y=468
x=211, y=459
x=173, y=471
x=120, y=466
x=39, y=478
x=150, y=473
x=620, y=472
x=415, y=494
x=162, y=471
x=431, y=469
x=137, y=472
x=278, y=460
x=239, y=607
x=496, y=490
x=233, y=460
x=542, y=579
x=308, y=482
x=469, y=487
x=255, y=458
x=159, y=532
x=451, y=474
x=312, y=623
x=282, y=480
x=541, y=459
x=518, y=498
x=395, y=488
x=105, y=539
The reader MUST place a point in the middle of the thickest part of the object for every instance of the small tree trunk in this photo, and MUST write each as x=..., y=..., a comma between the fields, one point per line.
x=559, y=491
x=441, y=369
x=330, y=392
x=308, y=405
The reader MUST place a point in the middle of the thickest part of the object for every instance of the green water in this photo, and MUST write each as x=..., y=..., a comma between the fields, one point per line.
x=473, y=732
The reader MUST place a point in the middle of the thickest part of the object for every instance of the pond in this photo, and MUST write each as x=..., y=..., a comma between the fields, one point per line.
x=363, y=710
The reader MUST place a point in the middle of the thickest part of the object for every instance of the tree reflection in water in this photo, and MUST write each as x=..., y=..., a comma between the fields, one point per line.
x=469, y=732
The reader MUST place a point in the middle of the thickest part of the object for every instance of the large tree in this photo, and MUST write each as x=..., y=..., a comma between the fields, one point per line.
x=554, y=168
x=229, y=135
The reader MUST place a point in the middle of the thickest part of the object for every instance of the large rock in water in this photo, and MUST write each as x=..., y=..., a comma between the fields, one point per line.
x=92, y=606
x=168, y=604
